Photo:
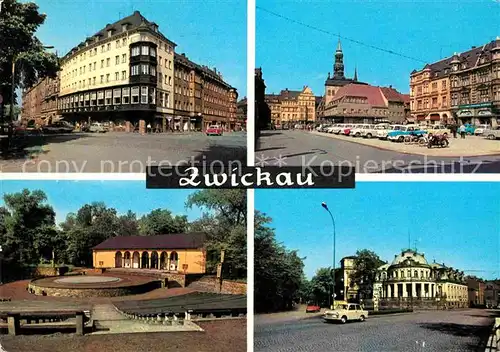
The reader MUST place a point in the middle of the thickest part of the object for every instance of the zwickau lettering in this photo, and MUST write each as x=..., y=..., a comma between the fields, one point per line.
x=251, y=177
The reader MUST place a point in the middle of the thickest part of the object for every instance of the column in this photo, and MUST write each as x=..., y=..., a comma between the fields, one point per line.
x=149, y=255
x=389, y=293
x=396, y=290
x=123, y=260
x=405, y=291
x=413, y=289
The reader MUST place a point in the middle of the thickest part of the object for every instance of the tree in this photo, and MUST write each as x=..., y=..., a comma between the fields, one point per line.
x=18, y=24
x=162, y=222
x=27, y=228
x=365, y=270
x=224, y=222
x=128, y=225
x=279, y=273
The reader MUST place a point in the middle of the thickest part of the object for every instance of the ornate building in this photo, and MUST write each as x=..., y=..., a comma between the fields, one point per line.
x=40, y=102
x=411, y=280
x=292, y=106
x=464, y=88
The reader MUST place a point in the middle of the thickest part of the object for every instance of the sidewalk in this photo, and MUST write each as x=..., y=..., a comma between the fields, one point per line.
x=468, y=147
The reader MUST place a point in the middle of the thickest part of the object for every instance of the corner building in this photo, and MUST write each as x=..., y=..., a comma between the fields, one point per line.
x=125, y=74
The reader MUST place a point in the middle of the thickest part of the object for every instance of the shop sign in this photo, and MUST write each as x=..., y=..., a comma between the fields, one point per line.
x=464, y=113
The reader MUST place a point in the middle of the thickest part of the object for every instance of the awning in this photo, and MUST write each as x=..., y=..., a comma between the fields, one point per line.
x=434, y=117
x=420, y=117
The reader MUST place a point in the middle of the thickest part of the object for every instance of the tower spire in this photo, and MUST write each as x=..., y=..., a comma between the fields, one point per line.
x=355, y=79
x=338, y=67
x=339, y=45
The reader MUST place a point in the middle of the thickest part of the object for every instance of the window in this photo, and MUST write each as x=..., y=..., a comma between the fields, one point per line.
x=167, y=100
x=108, y=62
x=107, y=78
x=93, y=81
x=161, y=61
x=125, y=95
x=124, y=58
x=169, y=64
x=117, y=44
x=144, y=95
x=100, y=98
x=102, y=78
x=136, y=51
x=90, y=67
x=169, y=80
x=166, y=63
x=166, y=79
x=117, y=60
x=134, y=70
x=102, y=63
x=152, y=52
x=144, y=69
x=153, y=71
x=117, y=96
x=162, y=99
x=93, y=99
x=135, y=95
x=124, y=40
x=102, y=48
x=90, y=82
x=109, y=46
x=117, y=76
x=124, y=75
x=144, y=50
x=95, y=63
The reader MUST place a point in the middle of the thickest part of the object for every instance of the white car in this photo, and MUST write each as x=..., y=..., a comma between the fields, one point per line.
x=98, y=127
x=384, y=134
x=358, y=130
x=374, y=130
x=480, y=129
x=346, y=312
x=337, y=128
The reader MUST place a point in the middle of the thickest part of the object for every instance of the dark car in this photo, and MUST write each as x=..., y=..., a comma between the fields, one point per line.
x=58, y=127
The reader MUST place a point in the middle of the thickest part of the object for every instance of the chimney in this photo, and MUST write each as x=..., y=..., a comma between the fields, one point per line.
x=215, y=69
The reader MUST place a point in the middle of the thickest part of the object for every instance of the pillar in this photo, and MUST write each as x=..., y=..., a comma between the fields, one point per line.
x=79, y=323
x=396, y=290
x=413, y=289
x=123, y=260
x=149, y=260
x=13, y=324
x=405, y=291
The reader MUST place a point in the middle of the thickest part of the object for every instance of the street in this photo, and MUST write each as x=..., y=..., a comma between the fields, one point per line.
x=121, y=152
x=453, y=330
x=299, y=148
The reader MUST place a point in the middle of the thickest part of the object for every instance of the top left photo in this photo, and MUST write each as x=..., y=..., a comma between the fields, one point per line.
x=113, y=87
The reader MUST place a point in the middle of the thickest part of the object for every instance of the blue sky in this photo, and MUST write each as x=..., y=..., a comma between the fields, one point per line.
x=69, y=196
x=292, y=55
x=454, y=223
x=210, y=32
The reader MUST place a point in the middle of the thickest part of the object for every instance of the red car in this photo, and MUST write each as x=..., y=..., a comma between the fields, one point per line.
x=311, y=308
x=214, y=130
x=347, y=131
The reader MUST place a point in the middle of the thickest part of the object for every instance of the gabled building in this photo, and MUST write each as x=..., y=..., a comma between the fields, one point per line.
x=292, y=106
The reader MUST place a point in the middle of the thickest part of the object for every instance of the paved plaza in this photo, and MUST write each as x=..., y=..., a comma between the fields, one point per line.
x=121, y=152
x=431, y=331
x=299, y=148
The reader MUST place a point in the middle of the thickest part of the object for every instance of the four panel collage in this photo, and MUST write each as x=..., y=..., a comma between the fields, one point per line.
x=249, y=175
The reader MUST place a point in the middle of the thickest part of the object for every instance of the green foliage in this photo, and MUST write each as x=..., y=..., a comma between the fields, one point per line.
x=19, y=22
x=279, y=273
x=162, y=222
x=225, y=225
x=365, y=269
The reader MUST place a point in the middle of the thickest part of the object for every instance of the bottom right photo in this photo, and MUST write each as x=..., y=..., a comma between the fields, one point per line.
x=387, y=266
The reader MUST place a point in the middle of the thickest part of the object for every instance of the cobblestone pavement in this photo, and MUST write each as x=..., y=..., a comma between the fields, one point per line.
x=301, y=148
x=219, y=336
x=432, y=331
x=120, y=152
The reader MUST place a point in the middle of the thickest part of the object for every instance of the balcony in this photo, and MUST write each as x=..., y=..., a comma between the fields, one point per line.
x=143, y=79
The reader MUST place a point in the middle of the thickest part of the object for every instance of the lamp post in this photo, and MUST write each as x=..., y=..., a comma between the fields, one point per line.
x=325, y=206
x=14, y=60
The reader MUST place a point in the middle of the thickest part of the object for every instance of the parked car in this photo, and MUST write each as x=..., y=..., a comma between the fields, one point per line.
x=58, y=127
x=347, y=129
x=384, y=134
x=357, y=131
x=336, y=129
x=98, y=127
x=214, y=130
x=469, y=129
x=405, y=130
x=313, y=308
x=374, y=130
x=346, y=312
x=480, y=129
x=492, y=133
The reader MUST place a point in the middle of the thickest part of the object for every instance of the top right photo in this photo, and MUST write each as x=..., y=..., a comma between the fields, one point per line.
x=381, y=86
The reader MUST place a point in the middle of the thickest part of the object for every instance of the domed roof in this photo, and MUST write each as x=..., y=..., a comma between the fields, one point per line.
x=409, y=254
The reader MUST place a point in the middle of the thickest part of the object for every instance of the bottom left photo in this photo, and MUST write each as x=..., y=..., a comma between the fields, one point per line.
x=111, y=265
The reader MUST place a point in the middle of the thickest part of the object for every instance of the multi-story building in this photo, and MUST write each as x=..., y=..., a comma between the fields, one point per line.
x=241, y=114
x=492, y=293
x=292, y=106
x=364, y=103
x=32, y=104
x=411, y=280
x=476, y=289
x=464, y=88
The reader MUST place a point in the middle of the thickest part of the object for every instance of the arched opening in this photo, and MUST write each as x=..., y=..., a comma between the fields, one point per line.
x=174, y=261
x=118, y=260
x=126, y=260
x=145, y=260
x=154, y=260
x=163, y=261
x=135, y=260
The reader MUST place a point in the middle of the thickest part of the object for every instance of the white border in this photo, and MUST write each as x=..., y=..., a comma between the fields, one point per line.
x=408, y=177
x=250, y=83
x=250, y=266
x=35, y=176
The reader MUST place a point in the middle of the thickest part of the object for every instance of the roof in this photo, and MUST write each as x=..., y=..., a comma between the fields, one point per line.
x=133, y=21
x=371, y=93
x=470, y=58
x=392, y=94
x=171, y=241
x=213, y=74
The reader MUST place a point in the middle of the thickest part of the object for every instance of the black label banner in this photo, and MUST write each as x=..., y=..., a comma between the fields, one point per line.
x=250, y=177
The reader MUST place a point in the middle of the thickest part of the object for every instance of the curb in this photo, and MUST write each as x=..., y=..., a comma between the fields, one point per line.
x=402, y=152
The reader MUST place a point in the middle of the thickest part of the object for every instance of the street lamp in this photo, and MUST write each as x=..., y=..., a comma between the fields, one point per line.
x=14, y=60
x=324, y=205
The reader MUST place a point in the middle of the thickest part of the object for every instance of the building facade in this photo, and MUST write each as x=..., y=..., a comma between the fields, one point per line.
x=476, y=288
x=411, y=281
x=40, y=102
x=182, y=253
x=464, y=88
x=492, y=294
x=292, y=106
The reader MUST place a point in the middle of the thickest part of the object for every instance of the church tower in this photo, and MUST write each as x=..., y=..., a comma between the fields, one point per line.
x=338, y=67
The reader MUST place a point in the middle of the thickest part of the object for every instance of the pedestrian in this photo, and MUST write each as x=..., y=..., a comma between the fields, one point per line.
x=149, y=127
x=454, y=129
x=462, y=131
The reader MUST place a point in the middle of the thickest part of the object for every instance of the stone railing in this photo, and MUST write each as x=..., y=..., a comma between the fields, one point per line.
x=493, y=344
x=17, y=323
